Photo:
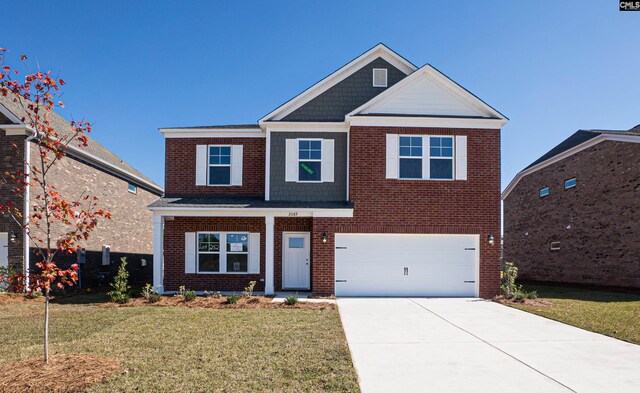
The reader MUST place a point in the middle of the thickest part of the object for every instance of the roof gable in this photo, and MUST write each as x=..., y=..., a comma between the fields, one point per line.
x=428, y=92
x=378, y=51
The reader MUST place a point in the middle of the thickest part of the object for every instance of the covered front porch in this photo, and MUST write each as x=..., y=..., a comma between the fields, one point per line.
x=223, y=243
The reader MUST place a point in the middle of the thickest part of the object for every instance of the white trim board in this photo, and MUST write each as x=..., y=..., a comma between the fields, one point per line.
x=574, y=150
x=302, y=126
x=426, y=122
x=342, y=73
x=212, y=133
x=441, y=80
x=250, y=212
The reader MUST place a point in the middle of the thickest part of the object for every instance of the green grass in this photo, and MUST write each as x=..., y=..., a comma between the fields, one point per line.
x=169, y=349
x=612, y=313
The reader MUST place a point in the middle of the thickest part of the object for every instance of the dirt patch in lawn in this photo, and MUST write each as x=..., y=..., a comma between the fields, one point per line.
x=63, y=373
x=526, y=302
x=222, y=303
x=17, y=298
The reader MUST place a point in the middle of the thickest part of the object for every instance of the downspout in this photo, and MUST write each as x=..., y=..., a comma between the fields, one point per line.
x=25, y=210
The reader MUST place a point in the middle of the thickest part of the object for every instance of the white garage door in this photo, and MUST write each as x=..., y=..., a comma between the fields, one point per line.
x=406, y=265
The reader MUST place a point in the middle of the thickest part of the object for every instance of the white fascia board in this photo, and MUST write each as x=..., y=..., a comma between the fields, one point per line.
x=212, y=133
x=14, y=119
x=249, y=212
x=435, y=122
x=444, y=81
x=576, y=149
x=16, y=129
x=296, y=126
x=325, y=84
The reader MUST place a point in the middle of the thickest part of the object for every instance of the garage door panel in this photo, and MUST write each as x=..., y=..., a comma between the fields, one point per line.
x=405, y=265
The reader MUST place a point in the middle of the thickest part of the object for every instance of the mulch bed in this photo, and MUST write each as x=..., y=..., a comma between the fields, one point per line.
x=16, y=298
x=526, y=302
x=63, y=373
x=221, y=303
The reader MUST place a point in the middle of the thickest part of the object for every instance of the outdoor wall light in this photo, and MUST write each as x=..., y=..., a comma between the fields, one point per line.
x=490, y=239
x=13, y=237
x=325, y=237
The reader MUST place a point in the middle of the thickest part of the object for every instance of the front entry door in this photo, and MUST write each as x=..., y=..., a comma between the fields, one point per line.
x=296, y=260
x=4, y=249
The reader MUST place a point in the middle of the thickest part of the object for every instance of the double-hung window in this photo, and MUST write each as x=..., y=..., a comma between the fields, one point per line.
x=223, y=252
x=441, y=158
x=309, y=160
x=410, y=157
x=219, y=165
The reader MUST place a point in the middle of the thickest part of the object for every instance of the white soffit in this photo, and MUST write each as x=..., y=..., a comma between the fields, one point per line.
x=325, y=84
x=428, y=92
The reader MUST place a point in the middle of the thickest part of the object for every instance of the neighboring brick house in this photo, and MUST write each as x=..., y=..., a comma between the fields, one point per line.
x=381, y=179
x=92, y=170
x=572, y=216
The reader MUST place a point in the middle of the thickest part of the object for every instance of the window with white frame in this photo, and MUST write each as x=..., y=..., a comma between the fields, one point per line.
x=441, y=158
x=379, y=77
x=219, y=165
x=570, y=183
x=208, y=252
x=132, y=188
x=544, y=192
x=223, y=252
x=309, y=160
x=410, y=157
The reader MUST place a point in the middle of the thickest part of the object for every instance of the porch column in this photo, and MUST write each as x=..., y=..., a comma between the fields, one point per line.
x=268, y=255
x=157, y=253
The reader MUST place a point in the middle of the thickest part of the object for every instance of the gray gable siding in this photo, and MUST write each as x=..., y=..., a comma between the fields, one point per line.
x=346, y=95
x=280, y=190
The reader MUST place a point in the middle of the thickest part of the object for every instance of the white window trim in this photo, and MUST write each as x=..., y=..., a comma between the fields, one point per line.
x=545, y=195
x=223, y=252
x=135, y=188
x=421, y=158
x=312, y=160
x=554, y=248
x=568, y=180
x=218, y=165
x=386, y=77
x=426, y=155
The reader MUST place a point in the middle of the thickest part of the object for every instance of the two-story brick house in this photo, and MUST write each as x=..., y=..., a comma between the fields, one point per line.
x=93, y=170
x=381, y=179
x=572, y=217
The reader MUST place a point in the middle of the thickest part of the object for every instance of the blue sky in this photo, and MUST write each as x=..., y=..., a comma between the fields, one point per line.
x=552, y=67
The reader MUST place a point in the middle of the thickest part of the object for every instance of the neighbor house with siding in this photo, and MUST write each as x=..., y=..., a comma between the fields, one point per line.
x=381, y=179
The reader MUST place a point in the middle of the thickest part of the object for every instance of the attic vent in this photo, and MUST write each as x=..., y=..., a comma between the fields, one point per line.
x=379, y=77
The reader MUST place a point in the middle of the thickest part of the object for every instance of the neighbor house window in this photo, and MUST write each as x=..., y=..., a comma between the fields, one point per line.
x=570, y=183
x=441, y=158
x=219, y=165
x=544, y=192
x=309, y=160
x=237, y=252
x=132, y=188
x=208, y=252
x=379, y=77
x=410, y=157
x=555, y=246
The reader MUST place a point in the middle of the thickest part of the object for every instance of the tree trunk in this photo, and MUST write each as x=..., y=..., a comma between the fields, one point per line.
x=46, y=326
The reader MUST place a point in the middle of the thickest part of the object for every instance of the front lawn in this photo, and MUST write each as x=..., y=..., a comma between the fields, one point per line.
x=189, y=349
x=612, y=313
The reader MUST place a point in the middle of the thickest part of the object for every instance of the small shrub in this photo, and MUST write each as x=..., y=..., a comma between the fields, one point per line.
x=154, y=298
x=508, y=277
x=231, y=299
x=532, y=295
x=150, y=294
x=34, y=294
x=291, y=300
x=181, y=290
x=213, y=294
x=520, y=296
x=189, y=295
x=6, y=272
x=120, y=285
x=248, y=291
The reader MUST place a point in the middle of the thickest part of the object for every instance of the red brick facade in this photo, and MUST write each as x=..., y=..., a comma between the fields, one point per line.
x=381, y=206
x=597, y=222
x=180, y=166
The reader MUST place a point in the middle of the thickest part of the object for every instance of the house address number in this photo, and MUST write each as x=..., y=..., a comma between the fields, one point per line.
x=293, y=214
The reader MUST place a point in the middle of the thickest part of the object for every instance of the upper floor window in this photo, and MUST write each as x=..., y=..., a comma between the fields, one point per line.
x=570, y=183
x=132, y=188
x=309, y=160
x=379, y=77
x=219, y=165
x=441, y=158
x=411, y=157
x=544, y=192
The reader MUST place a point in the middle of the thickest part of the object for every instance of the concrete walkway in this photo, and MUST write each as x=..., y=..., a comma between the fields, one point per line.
x=471, y=345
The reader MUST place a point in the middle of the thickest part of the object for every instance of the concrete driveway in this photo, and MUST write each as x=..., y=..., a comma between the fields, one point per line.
x=471, y=345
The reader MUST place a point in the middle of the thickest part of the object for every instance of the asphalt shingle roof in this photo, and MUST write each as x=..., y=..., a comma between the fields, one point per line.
x=244, y=202
x=93, y=147
x=578, y=138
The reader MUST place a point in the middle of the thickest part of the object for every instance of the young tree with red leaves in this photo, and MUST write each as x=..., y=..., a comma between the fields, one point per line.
x=54, y=224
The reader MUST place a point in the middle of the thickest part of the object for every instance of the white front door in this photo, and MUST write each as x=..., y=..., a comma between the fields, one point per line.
x=296, y=260
x=4, y=249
